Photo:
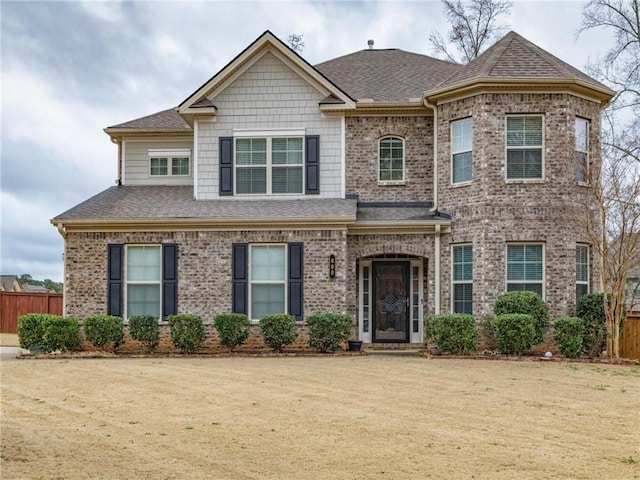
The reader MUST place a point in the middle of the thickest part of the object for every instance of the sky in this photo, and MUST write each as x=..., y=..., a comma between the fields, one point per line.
x=70, y=69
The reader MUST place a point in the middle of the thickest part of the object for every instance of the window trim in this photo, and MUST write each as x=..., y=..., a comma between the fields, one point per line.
x=455, y=282
x=588, y=257
x=453, y=153
x=127, y=282
x=392, y=182
x=584, y=181
x=544, y=266
x=507, y=148
x=250, y=280
x=170, y=155
x=268, y=165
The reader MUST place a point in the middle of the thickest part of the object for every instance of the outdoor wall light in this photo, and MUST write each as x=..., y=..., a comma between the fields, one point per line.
x=332, y=266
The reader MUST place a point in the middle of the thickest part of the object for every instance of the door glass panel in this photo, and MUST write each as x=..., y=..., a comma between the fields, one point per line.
x=391, y=316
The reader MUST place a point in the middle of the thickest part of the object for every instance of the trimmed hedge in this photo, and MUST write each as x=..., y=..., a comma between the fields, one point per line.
x=31, y=329
x=455, y=333
x=528, y=303
x=103, y=330
x=515, y=333
x=590, y=308
x=145, y=328
x=329, y=331
x=233, y=329
x=278, y=330
x=60, y=333
x=187, y=332
x=568, y=336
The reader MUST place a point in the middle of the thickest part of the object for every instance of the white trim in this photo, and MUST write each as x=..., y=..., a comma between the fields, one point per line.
x=343, y=157
x=586, y=151
x=126, y=282
x=392, y=182
x=276, y=132
x=586, y=282
x=416, y=337
x=437, y=286
x=455, y=152
x=362, y=335
x=123, y=159
x=284, y=282
x=542, y=148
x=506, y=266
x=169, y=152
x=196, y=152
x=455, y=282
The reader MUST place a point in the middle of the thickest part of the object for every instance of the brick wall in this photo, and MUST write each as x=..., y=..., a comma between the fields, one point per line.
x=490, y=212
x=362, y=136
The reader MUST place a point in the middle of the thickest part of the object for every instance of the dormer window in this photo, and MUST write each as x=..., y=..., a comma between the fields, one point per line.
x=391, y=160
x=169, y=162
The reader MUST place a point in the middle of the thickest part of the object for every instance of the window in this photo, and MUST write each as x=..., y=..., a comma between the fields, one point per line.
x=524, y=268
x=269, y=165
x=524, y=147
x=391, y=160
x=169, y=162
x=582, y=150
x=582, y=271
x=463, y=279
x=143, y=274
x=267, y=280
x=461, y=151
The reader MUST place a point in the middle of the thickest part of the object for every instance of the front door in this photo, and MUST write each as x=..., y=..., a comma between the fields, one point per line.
x=390, y=302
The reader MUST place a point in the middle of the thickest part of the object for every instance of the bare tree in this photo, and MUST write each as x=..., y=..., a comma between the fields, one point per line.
x=295, y=42
x=615, y=188
x=474, y=26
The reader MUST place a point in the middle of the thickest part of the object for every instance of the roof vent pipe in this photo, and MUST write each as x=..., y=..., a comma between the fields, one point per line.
x=370, y=43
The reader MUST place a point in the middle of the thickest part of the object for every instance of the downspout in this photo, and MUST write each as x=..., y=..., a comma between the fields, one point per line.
x=63, y=233
x=434, y=209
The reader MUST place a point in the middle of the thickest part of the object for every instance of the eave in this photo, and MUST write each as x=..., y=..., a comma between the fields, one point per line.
x=119, y=133
x=399, y=227
x=477, y=86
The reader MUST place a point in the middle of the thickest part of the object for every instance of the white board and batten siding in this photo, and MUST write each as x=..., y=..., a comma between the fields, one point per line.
x=137, y=156
x=269, y=96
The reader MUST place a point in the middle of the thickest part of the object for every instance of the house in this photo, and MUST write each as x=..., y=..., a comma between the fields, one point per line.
x=10, y=283
x=384, y=184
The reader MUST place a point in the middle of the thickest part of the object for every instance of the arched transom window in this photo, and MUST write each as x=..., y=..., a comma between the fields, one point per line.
x=391, y=160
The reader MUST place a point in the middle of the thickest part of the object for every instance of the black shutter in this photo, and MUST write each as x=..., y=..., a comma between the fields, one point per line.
x=240, y=278
x=312, y=165
x=114, y=279
x=226, y=166
x=295, y=278
x=169, y=280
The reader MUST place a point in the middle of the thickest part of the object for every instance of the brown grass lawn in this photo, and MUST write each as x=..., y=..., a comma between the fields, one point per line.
x=360, y=417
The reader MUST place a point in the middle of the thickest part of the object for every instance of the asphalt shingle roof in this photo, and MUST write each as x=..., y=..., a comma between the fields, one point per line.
x=390, y=75
x=164, y=120
x=176, y=202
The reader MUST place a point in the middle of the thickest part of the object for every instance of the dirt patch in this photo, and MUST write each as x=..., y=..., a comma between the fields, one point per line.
x=375, y=416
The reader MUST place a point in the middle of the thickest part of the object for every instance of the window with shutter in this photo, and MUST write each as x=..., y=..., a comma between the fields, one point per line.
x=525, y=141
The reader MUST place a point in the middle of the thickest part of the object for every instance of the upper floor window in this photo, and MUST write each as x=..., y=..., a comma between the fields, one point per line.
x=582, y=150
x=391, y=160
x=169, y=162
x=582, y=270
x=463, y=279
x=270, y=165
x=525, y=267
x=461, y=150
x=525, y=143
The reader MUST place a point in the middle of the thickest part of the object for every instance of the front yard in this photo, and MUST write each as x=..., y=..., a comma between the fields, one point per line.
x=366, y=417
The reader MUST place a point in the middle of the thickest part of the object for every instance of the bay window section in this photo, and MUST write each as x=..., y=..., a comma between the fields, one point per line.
x=525, y=266
x=268, y=280
x=461, y=151
x=144, y=278
x=524, y=147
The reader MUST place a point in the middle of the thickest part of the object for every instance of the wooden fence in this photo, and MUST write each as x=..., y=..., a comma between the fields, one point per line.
x=630, y=337
x=15, y=304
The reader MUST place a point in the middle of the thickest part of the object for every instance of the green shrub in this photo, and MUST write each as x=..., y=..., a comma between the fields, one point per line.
x=455, y=333
x=278, y=330
x=144, y=328
x=60, y=333
x=515, y=333
x=568, y=336
x=31, y=329
x=528, y=303
x=590, y=308
x=233, y=329
x=328, y=331
x=103, y=330
x=187, y=332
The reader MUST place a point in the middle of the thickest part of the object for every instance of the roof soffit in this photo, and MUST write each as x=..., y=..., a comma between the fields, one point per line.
x=267, y=42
